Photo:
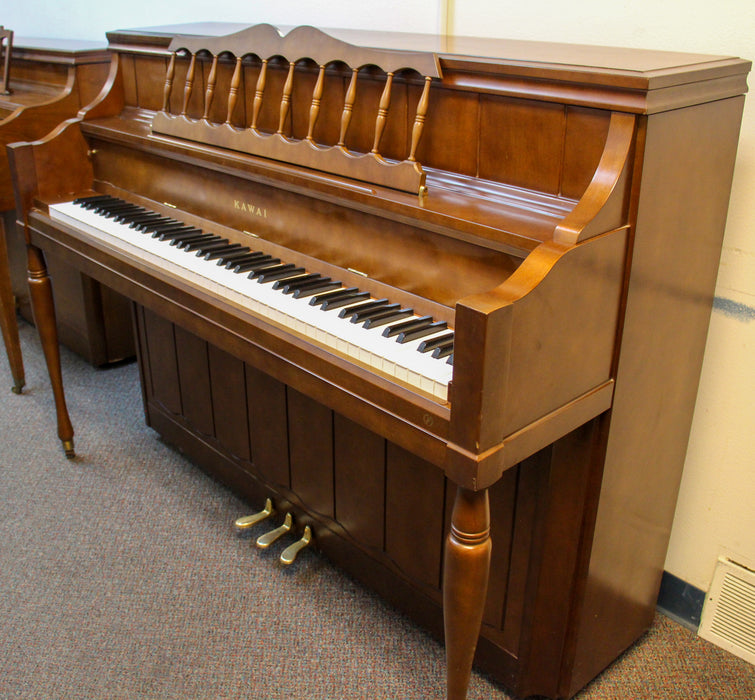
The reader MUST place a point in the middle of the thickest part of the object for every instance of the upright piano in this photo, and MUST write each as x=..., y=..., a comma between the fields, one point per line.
x=439, y=303
x=49, y=80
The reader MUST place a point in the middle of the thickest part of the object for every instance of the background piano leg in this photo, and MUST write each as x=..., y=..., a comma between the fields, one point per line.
x=43, y=308
x=8, y=323
x=465, y=585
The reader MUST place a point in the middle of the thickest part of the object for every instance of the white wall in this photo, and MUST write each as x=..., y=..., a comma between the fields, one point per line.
x=715, y=513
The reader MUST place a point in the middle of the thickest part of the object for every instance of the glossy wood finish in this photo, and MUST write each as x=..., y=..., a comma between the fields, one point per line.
x=542, y=239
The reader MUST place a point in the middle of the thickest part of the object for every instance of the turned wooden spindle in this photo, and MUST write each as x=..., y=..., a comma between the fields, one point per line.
x=258, y=93
x=233, y=93
x=385, y=103
x=189, y=85
x=286, y=100
x=169, y=81
x=210, y=92
x=348, y=108
x=314, y=109
x=419, y=119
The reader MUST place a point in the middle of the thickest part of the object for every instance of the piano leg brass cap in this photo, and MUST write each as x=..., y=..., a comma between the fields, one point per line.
x=18, y=387
x=264, y=541
x=68, y=447
x=289, y=554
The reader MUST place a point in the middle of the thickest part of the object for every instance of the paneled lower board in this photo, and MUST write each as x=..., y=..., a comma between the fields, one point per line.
x=378, y=511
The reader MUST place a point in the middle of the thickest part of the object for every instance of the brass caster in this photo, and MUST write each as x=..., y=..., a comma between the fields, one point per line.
x=289, y=554
x=264, y=541
x=68, y=447
x=18, y=388
x=247, y=521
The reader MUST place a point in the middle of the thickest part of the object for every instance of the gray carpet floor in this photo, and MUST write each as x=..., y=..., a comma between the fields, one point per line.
x=121, y=578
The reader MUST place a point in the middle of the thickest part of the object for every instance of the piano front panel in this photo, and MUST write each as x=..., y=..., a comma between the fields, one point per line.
x=378, y=510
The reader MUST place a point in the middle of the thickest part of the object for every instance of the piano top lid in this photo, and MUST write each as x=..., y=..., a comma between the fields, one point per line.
x=638, y=68
x=67, y=51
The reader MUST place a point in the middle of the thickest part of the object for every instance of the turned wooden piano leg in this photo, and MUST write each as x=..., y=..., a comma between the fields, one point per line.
x=465, y=585
x=8, y=323
x=40, y=293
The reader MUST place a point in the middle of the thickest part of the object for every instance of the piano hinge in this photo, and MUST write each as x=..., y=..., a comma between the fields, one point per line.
x=168, y=204
x=357, y=272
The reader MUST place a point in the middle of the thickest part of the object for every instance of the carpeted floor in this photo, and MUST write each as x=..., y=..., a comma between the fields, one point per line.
x=121, y=578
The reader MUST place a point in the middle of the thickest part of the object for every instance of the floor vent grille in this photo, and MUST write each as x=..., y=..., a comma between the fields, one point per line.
x=728, y=618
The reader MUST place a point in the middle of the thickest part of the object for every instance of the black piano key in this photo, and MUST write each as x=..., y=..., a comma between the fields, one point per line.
x=338, y=300
x=443, y=350
x=221, y=254
x=386, y=317
x=345, y=313
x=364, y=314
x=309, y=290
x=183, y=241
x=432, y=343
x=236, y=258
x=154, y=228
x=117, y=207
x=90, y=201
x=264, y=261
x=202, y=250
x=191, y=246
x=190, y=237
x=288, y=286
x=178, y=233
x=450, y=359
x=140, y=222
x=421, y=332
x=273, y=266
x=124, y=217
x=137, y=214
x=407, y=326
x=278, y=272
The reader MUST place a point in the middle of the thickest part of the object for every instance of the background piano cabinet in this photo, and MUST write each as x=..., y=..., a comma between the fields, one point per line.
x=51, y=80
x=378, y=511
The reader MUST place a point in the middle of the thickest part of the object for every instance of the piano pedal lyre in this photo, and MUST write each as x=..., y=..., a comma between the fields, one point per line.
x=289, y=554
x=248, y=521
x=264, y=541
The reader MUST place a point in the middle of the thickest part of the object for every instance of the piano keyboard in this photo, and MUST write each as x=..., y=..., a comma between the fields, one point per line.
x=386, y=336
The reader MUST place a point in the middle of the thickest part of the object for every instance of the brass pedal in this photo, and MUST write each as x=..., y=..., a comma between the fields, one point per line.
x=264, y=541
x=289, y=554
x=247, y=521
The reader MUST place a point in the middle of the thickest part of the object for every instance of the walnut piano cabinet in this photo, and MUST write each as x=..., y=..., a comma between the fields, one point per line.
x=50, y=81
x=561, y=209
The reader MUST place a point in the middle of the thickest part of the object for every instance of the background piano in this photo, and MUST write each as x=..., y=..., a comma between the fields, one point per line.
x=50, y=80
x=568, y=238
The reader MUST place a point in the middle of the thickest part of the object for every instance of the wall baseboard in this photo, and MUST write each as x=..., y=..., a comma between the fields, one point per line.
x=680, y=601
